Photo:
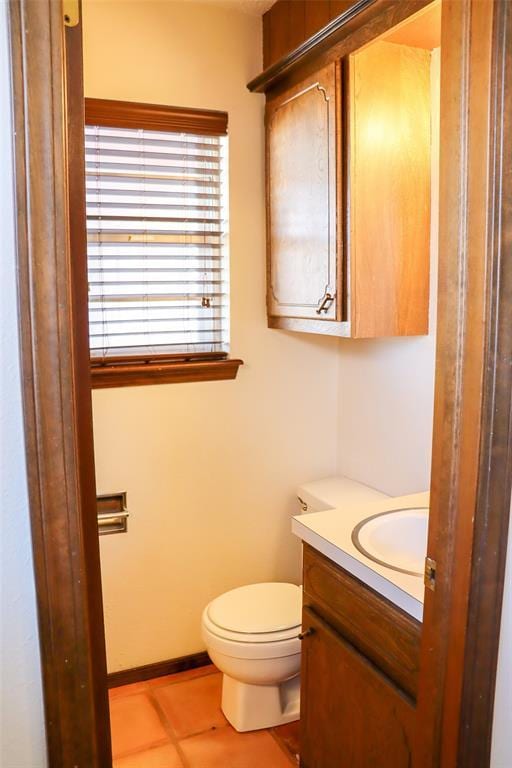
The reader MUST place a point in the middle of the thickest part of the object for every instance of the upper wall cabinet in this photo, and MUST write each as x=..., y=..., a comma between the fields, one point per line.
x=348, y=196
x=301, y=163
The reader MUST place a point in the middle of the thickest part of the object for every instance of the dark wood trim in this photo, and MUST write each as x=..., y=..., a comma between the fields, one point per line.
x=155, y=117
x=470, y=497
x=158, y=669
x=103, y=376
x=55, y=380
x=325, y=37
x=495, y=468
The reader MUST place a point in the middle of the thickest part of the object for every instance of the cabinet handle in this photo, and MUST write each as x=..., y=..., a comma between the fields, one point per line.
x=306, y=633
x=325, y=303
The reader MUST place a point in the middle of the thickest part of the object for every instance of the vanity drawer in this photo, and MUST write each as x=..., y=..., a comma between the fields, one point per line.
x=377, y=628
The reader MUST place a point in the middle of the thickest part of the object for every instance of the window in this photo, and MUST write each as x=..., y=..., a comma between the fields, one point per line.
x=157, y=254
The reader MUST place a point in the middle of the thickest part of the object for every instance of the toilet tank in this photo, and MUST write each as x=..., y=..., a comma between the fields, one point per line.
x=334, y=493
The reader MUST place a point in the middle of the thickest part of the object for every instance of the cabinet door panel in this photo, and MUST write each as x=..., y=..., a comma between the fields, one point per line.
x=351, y=715
x=301, y=146
x=389, y=157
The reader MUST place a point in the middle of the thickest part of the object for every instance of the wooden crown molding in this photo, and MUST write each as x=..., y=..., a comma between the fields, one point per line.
x=155, y=117
x=322, y=39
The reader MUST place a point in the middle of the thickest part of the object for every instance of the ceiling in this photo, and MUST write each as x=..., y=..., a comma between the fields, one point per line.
x=423, y=30
x=252, y=7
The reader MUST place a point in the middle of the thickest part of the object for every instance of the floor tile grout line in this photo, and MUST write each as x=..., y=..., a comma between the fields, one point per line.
x=169, y=729
x=211, y=729
x=150, y=684
x=140, y=750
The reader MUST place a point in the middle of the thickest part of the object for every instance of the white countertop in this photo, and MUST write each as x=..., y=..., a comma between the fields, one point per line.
x=330, y=532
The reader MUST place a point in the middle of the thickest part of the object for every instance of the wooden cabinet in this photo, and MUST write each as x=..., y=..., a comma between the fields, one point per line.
x=348, y=196
x=359, y=673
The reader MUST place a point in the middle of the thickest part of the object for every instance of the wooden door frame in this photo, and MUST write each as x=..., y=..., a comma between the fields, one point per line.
x=472, y=444
x=472, y=437
x=56, y=388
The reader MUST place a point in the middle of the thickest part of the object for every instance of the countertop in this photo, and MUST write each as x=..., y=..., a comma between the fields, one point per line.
x=330, y=532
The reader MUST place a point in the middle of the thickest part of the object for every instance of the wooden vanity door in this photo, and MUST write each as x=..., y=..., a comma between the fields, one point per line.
x=351, y=715
x=301, y=199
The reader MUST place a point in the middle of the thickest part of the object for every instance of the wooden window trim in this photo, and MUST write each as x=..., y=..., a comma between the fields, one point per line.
x=137, y=370
x=155, y=117
x=110, y=373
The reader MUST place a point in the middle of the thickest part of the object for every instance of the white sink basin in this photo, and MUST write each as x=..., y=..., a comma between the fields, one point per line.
x=396, y=539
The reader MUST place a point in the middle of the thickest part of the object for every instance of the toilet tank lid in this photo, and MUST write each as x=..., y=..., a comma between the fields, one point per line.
x=334, y=492
x=255, y=608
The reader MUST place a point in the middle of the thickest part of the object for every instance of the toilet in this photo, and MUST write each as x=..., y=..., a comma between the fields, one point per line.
x=252, y=632
x=252, y=635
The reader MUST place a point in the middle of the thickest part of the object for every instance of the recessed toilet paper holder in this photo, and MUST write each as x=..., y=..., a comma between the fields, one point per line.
x=112, y=513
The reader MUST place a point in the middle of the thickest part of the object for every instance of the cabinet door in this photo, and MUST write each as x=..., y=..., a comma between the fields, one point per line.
x=389, y=161
x=301, y=196
x=351, y=715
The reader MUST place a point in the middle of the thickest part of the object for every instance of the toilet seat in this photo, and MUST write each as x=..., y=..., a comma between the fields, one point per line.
x=257, y=609
x=255, y=621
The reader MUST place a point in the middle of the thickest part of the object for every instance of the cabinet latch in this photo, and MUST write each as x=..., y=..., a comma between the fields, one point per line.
x=430, y=573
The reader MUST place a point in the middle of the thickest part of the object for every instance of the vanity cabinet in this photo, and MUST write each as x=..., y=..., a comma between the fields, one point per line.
x=360, y=658
x=348, y=196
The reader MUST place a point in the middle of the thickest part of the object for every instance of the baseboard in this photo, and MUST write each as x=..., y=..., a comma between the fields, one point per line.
x=158, y=669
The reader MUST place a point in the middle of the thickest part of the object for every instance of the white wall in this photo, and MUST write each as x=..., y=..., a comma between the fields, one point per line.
x=22, y=732
x=210, y=469
x=386, y=390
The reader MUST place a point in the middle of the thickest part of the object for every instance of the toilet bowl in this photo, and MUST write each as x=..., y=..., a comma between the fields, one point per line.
x=252, y=635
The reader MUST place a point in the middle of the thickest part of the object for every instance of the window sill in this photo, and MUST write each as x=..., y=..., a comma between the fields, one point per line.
x=140, y=374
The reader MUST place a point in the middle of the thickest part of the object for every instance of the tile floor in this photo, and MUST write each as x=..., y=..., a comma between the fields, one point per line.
x=176, y=722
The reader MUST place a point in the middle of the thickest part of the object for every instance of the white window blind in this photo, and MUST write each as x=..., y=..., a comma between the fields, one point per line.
x=156, y=243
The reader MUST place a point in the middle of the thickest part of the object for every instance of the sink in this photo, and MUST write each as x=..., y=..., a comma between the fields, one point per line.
x=396, y=539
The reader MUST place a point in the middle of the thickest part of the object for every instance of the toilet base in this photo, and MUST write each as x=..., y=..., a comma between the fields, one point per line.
x=251, y=707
